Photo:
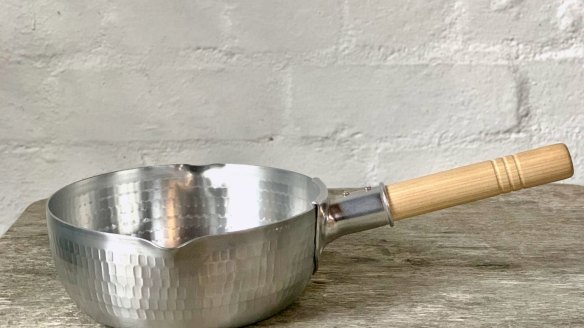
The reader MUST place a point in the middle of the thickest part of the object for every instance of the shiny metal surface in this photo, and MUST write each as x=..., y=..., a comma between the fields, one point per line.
x=357, y=210
x=347, y=211
x=195, y=246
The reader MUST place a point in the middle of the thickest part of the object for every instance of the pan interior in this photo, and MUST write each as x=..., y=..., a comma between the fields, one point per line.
x=172, y=204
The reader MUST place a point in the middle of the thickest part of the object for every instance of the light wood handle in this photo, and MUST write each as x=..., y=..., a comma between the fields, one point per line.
x=477, y=181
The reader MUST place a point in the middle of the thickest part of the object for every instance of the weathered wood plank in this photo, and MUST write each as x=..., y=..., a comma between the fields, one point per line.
x=516, y=260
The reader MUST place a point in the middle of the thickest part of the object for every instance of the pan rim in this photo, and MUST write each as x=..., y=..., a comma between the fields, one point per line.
x=320, y=196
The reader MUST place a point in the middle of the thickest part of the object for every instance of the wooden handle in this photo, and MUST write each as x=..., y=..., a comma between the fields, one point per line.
x=477, y=181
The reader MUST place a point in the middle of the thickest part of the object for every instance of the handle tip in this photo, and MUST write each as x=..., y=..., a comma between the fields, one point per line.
x=553, y=162
x=569, y=163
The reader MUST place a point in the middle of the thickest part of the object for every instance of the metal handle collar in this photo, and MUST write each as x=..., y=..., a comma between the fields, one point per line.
x=348, y=211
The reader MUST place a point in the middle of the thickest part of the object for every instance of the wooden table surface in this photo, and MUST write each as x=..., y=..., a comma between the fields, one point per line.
x=515, y=260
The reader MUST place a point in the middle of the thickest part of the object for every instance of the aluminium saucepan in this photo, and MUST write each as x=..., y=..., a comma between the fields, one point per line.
x=227, y=245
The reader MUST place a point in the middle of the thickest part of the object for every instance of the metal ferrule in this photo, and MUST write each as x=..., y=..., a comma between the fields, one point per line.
x=357, y=210
x=349, y=211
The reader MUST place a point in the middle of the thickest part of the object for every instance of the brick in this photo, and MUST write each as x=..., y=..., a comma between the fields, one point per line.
x=391, y=101
x=285, y=26
x=48, y=28
x=59, y=27
x=157, y=26
x=15, y=19
x=167, y=104
x=539, y=22
x=397, y=24
x=25, y=100
x=45, y=167
x=555, y=93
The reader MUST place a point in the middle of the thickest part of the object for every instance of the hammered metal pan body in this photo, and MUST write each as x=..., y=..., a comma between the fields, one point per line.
x=184, y=246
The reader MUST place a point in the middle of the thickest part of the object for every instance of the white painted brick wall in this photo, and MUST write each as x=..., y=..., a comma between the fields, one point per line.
x=352, y=91
x=284, y=26
x=403, y=100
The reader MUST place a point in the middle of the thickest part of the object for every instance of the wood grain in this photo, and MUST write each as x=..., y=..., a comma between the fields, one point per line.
x=478, y=181
x=514, y=260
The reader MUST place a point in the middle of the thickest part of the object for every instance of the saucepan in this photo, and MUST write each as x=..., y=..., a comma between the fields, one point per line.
x=227, y=245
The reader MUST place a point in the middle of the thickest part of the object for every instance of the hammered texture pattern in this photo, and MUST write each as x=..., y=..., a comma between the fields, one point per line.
x=203, y=269
x=173, y=204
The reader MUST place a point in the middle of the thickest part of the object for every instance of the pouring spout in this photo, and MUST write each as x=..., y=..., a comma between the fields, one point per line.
x=355, y=210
